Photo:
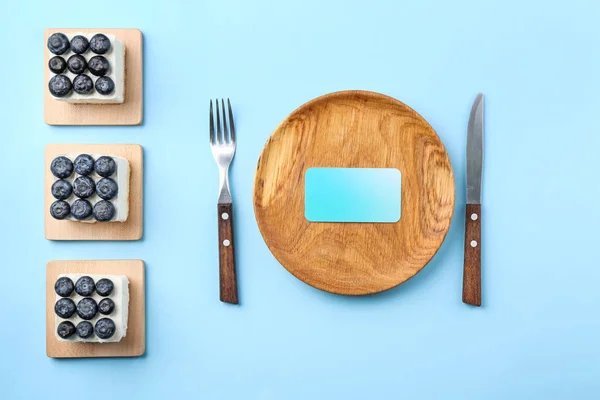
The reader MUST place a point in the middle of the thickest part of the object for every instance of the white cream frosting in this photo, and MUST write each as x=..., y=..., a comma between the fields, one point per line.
x=121, y=176
x=120, y=316
x=116, y=61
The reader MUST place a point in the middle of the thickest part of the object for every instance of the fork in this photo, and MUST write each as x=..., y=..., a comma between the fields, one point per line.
x=222, y=146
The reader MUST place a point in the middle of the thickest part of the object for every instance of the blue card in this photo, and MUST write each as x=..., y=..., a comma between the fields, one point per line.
x=352, y=195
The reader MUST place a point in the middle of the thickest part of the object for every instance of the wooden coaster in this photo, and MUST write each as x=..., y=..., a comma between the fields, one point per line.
x=360, y=130
x=132, y=345
x=130, y=112
x=131, y=229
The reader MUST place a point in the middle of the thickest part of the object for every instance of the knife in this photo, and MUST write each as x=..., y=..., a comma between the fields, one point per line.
x=472, y=265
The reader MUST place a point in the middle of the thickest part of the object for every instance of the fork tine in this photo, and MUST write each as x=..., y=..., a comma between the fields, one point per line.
x=212, y=125
x=226, y=137
x=231, y=127
x=219, y=133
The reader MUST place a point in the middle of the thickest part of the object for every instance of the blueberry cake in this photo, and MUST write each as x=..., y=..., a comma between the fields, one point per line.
x=86, y=67
x=90, y=188
x=91, y=308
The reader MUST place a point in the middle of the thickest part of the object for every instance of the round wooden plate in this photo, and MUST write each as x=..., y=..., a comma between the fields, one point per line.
x=354, y=129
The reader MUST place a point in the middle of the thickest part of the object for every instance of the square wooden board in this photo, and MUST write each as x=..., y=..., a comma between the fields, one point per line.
x=132, y=229
x=130, y=112
x=132, y=345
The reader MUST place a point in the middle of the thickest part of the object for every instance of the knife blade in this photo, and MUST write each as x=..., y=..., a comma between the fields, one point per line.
x=472, y=262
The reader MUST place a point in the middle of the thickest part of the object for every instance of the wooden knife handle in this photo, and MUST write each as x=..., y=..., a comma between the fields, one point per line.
x=227, y=278
x=472, y=268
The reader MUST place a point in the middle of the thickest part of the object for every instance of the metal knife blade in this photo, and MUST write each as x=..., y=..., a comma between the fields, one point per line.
x=475, y=151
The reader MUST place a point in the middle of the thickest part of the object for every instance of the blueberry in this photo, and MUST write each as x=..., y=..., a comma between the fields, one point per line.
x=58, y=43
x=98, y=65
x=105, y=85
x=60, y=209
x=104, y=287
x=61, y=167
x=100, y=44
x=105, y=166
x=106, y=306
x=57, y=64
x=107, y=188
x=84, y=187
x=79, y=44
x=85, y=329
x=85, y=286
x=81, y=209
x=105, y=328
x=76, y=64
x=64, y=308
x=61, y=189
x=65, y=329
x=87, y=308
x=104, y=210
x=83, y=84
x=64, y=286
x=84, y=164
x=60, y=85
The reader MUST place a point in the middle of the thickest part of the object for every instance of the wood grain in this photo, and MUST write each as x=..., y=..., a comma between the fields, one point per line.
x=472, y=267
x=354, y=129
x=132, y=345
x=131, y=229
x=227, y=275
x=130, y=112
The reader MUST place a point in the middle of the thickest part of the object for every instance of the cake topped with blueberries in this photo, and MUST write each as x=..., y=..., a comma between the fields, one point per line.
x=86, y=67
x=90, y=188
x=91, y=308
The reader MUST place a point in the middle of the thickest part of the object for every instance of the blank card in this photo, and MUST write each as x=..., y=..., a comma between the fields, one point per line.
x=352, y=195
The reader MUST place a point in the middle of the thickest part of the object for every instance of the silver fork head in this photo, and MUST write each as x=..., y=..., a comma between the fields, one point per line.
x=222, y=141
x=222, y=145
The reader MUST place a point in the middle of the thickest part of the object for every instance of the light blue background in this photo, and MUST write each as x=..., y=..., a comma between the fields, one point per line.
x=352, y=194
x=538, y=334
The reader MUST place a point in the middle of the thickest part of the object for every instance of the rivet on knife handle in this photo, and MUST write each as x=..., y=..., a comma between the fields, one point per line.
x=472, y=267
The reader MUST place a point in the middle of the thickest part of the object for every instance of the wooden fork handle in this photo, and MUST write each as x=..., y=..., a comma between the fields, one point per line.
x=472, y=267
x=227, y=276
